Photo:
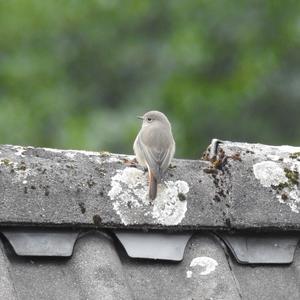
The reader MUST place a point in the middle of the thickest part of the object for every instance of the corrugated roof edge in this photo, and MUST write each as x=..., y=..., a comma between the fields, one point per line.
x=246, y=248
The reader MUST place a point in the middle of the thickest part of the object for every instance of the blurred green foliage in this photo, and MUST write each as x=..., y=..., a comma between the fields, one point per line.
x=74, y=74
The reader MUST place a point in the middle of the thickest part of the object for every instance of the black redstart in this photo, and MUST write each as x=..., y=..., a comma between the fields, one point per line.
x=154, y=147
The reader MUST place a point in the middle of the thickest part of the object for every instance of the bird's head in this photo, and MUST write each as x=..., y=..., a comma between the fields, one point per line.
x=153, y=118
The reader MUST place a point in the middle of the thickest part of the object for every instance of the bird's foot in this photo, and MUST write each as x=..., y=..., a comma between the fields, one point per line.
x=130, y=162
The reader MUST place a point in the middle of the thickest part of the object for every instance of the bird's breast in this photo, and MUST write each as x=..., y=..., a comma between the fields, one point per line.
x=139, y=153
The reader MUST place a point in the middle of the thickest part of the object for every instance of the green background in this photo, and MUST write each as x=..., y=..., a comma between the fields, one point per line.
x=74, y=74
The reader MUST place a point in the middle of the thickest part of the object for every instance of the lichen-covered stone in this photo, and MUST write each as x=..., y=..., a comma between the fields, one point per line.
x=251, y=186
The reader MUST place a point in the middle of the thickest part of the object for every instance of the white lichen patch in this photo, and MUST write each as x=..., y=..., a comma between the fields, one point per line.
x=292, y=198
x=19, y=150
x=283, y=177
x=100, y=157
x=273, y=157
x=205, y=264
x=269, y=173
x=168, y=209
x=113, y=159
x=21, y=175
x=189, y=274
x=20, y=171
x=265, y=150
x=129, y=193
x=72, y=153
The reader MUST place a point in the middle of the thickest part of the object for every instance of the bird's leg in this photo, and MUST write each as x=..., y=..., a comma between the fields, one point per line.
x=171, y=166
x=131, y=162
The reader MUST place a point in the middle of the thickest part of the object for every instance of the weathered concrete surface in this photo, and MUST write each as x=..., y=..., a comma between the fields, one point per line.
x=93, y=272
x=249, y=186
x=264, y=186
x=100, y=270
x=204, y=273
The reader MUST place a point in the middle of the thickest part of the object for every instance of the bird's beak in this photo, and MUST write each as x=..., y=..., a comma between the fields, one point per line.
x=140, y=117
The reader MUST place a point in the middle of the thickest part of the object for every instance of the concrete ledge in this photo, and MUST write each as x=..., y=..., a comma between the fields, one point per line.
x=247, y=186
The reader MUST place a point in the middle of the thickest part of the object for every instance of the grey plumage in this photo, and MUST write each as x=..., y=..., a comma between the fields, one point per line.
x=154, y=147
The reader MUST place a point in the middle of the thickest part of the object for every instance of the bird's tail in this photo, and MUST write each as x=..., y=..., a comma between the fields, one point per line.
x=152, y=186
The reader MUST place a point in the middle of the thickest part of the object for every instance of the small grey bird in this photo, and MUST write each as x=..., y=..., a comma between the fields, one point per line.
x=154, y=147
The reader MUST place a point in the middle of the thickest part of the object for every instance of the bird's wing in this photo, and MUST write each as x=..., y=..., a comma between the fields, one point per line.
x=167, y=158
x=156, y=152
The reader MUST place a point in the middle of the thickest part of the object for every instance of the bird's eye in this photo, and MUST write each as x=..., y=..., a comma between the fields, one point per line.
x=149, y=119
